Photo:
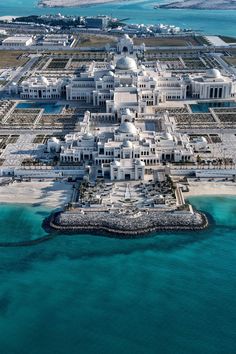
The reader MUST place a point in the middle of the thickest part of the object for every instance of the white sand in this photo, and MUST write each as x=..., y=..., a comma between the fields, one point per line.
x=72, y=3
x=8, y=18
x=49, y=194
x=211, y=188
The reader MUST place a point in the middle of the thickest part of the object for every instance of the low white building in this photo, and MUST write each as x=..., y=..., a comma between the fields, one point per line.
x=53, y=145
x=17, y=41
x=212, y=85
x=40, y=87
x=56, y=40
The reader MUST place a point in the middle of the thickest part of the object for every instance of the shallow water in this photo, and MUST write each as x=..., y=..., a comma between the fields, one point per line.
x=173, y=293
x=140, y=11
x=49, y=108
x=203, y=107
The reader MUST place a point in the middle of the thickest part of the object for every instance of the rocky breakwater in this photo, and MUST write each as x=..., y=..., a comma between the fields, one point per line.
x=125, y=222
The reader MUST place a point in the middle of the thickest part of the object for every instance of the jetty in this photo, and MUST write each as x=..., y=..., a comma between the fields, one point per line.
x=126, y=210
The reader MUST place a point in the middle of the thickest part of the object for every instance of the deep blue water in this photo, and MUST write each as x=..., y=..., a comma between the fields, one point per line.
x=169, y=294
x=140, y=11
x=49, y=108
x=203, y=107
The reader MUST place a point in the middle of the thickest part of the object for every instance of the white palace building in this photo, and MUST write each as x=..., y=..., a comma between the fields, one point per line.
x=126, y=139
x=108, y=84
x=124, y=151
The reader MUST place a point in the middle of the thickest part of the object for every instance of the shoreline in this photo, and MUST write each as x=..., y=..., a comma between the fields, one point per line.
x=212, y=188
x=126, y=224
x=50, y=194
x=197, y=5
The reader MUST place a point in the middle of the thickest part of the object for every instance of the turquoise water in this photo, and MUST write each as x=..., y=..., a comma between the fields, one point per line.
x=203, y=107
x=140, y=11
x=170, y=294
x=49, y=108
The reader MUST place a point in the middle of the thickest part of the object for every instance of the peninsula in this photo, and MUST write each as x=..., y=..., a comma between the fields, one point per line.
x=111, y=129
x=71, y=3
x=200, y=5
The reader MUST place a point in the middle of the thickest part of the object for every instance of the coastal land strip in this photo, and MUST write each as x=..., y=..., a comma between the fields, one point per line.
x=199, y=5
x=50, y=194
x=123, y=223
x=72, y=3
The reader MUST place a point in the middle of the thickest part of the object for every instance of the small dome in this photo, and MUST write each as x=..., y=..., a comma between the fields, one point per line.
x=110, y=73
x=87, y=136
x=169, y=136
x=126, y=63
x=127, y=144
x=213, y=73
x=127, y=112
x=116, y=163
x=43, y=79
x=139, y=163
x=127, y=128
x=54, y=140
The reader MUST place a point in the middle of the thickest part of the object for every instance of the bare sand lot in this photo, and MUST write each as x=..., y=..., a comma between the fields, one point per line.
x=71, y=3
x=48, y=193
x=200, y=5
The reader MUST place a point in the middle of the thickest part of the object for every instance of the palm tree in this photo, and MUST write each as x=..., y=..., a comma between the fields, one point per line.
x=198, y=160
x=220, y=162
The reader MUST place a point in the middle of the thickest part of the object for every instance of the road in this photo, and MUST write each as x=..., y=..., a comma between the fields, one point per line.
x=19, y=73
x=229, y=69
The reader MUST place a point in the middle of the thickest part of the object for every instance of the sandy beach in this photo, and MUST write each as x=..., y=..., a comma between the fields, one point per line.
x=210, y=188
x=48, y=193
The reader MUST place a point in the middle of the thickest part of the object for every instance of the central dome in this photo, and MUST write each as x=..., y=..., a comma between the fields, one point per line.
x=127, y=128
x=213, y=73
x=127, y=144
x=126, y=63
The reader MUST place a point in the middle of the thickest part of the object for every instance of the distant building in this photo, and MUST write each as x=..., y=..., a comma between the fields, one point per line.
x=125, y=45
x=17, y=41
x=100, y=22
x=56, y=40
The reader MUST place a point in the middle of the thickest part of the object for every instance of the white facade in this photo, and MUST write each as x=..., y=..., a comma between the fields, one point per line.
x=40, y=87
x=56, y=40
x=124, y=152
x=17, y=41
x=125, y=44
x=126, y=83
x=212, y=85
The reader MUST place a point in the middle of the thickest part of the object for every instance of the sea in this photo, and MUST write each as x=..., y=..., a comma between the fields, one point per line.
x=172, y=293
x=137, y=11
